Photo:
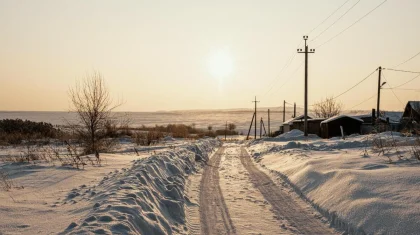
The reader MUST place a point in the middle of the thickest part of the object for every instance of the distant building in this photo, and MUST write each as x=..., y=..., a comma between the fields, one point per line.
x=331, y=126
x=288, y=124
x=411, y=115
x=314, y=125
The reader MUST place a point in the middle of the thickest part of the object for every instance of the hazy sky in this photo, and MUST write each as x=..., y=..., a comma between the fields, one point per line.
x=170, y=55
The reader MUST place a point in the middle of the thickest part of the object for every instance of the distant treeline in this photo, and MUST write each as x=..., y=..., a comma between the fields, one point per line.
x=14, y=131
x=188, y=131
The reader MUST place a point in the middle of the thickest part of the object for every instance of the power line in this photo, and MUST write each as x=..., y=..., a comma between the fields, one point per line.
x=405, y=89
x=399, y=70
x=392, y=89
x=290, y=77
x=361, y=18
x=345, y=13
x=355, y=85
x=366, y=100
x=328, y=17
x=406, y=82
x=335, y=97
x=414, y=56
x=288, y=63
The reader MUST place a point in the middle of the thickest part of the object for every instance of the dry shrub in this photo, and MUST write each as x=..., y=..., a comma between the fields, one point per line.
x=5, y=182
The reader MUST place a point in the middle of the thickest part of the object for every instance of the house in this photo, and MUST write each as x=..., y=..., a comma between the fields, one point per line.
x=314, y=125
x=331, y=126
x=411, y=115
x=287, y=125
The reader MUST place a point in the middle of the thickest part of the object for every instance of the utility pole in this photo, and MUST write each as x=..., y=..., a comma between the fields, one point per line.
x=255, y=112
x=261, y=127
x=225, y=130
x=294, y=110
x=250, y=125
x=284, y=111
x=269, y=132
x=379, y=91
x=306, y=83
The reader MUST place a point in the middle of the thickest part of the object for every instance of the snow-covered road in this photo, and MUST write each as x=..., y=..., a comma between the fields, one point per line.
x=236, y=197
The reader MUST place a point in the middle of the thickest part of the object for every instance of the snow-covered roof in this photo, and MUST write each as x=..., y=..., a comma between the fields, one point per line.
x=341, y=116
x=289, y=121
x=310, y=120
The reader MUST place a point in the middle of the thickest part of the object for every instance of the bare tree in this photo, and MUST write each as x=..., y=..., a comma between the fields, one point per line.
x=91, y=100
x=328, y=108
x=231, y=126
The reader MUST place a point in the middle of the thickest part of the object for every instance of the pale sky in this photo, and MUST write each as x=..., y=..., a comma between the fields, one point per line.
x=172, y=55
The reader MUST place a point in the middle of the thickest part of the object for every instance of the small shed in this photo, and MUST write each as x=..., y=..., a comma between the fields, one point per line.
x=331, y=126
x=314, y=125
x=288, y=124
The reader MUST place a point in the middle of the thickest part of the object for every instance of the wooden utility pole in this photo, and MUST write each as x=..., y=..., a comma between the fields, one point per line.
x=294, y=110
x=255, y=113
x=305, y=126
x=269, y=132
x=284, y=111
x=263, y=126
x=379, y=91
x=225, y=130
x=249, y=130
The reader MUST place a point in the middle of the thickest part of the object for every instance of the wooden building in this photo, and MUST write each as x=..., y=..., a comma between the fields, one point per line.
x=331, y=126
x=314, y=125
x=288, y=124
x=411, y=116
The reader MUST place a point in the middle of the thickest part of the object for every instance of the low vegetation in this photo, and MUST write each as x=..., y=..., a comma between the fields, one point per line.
x=15, y=131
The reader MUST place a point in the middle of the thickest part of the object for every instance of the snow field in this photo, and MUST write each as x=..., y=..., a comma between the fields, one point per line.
x=358, y=192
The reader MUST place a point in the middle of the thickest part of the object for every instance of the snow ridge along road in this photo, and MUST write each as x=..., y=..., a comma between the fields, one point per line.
x=283, y=204
x=215, y=218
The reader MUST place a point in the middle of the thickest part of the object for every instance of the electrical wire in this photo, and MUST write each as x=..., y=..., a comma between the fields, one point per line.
x=290, y=77
x=366, y=100
x=406, y=82
x=392, y=89
x=355, y=85
x=328, y=17
x=345, y=13
x=414, y=56
x=399, y=70
x=361, y=18
x=335, y=97
x=288, y=62
x=405, y=89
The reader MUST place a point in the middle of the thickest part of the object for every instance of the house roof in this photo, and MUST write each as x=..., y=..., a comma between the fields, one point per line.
x=289, y=121
x=340, y=116
x=415, y=106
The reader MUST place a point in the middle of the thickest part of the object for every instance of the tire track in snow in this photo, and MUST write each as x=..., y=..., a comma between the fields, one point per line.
x=214, y=215
x=283, y=203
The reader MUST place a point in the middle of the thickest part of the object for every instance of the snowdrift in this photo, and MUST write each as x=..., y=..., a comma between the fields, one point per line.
x=147, y=198
x=360, y=193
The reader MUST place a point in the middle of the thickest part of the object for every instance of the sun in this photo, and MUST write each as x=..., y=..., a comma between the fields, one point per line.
x=220, y=64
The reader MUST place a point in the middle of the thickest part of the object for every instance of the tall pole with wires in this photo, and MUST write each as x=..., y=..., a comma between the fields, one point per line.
x=379, y=91
x=306, y=83
x=255, y=115
x=284, y=111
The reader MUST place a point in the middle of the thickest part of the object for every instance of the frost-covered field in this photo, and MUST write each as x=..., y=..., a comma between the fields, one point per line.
x=127, y=194
x=348, y=181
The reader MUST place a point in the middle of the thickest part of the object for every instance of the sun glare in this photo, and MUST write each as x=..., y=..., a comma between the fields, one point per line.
x=220, y=64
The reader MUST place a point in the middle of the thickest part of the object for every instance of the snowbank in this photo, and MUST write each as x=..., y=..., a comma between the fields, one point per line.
x=358, y=192
x=147, y=198
x=295, y=134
